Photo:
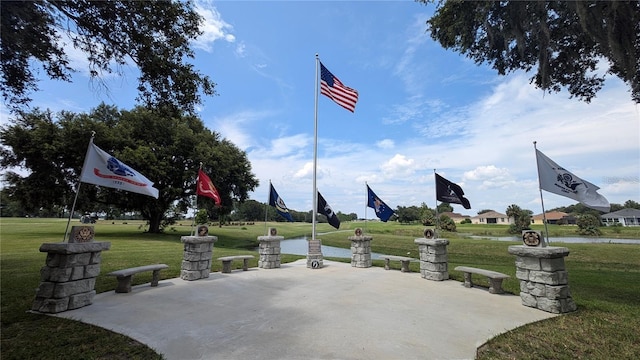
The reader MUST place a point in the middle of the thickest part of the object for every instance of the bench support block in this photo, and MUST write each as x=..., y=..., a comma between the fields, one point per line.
x=227, y=260
x=495, y=278
x=124, y=284
x=495, y=286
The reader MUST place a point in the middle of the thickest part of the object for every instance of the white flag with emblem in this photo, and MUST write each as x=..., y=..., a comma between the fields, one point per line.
x=555, y=179
x=102, y=169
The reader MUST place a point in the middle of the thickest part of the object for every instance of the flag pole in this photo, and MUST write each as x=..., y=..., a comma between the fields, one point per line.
x=75, y=199
x=266, y=209
x=315, y=155
x=366, y=205
x=196, y=209
x=544, y=217
x=435, y=230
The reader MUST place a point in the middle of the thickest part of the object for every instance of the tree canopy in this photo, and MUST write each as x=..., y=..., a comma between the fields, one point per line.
x=566, y=41
x=166, y=149
x=154, y=35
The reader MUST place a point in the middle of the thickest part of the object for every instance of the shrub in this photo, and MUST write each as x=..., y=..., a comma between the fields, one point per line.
x=588, y=225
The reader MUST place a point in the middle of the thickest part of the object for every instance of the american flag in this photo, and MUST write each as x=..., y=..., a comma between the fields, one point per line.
x=333, y=88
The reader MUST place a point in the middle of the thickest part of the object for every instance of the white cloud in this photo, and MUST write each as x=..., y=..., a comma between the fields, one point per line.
x=306, y=172
x=488, y=175
x=214, y=27
x=398, y=165
x=288, y=145
x=385, y=144
x=241, y=50
x=235, y=127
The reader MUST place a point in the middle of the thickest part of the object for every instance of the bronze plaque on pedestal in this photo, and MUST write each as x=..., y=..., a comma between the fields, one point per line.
x=81, y=234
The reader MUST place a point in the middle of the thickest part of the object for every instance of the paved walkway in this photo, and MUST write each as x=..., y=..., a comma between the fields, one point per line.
x=337, y=312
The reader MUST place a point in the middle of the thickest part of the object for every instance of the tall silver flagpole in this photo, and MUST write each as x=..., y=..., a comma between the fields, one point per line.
x=435, y=230
x=544, y=217
x=193, y=221
x=266, y=209
x=315, y=156
x=366, y=205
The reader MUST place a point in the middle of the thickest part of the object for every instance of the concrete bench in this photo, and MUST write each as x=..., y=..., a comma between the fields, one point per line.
x=124, y=276
x=495, y=278
x=226, y=262
x=404, y=262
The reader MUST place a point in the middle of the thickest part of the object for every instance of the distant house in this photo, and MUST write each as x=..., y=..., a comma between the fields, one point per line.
x=625, y=217
x=457, y=218
x=554, y=217
x=492, y=217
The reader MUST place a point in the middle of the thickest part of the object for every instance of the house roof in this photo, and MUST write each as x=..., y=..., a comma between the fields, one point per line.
x=490, y=214
x=551, y=215
x=453, y=215
x=627, y=212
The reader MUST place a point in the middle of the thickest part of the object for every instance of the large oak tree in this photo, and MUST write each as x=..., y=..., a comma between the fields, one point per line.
x=166, y=149
x=564, y=41
x=153, y=35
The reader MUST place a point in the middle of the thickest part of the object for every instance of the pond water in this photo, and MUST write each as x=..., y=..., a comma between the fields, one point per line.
x=300, y=246
x=567, y=240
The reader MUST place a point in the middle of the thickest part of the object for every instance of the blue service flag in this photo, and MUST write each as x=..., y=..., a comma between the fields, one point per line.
x=276, y=201
x=383, y=212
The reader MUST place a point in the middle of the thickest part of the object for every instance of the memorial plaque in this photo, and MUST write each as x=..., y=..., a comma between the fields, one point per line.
x=273, y=232
x=203, y=230
x=428, y=234
x=531, y=238
x=315, y=247
x=81, y=234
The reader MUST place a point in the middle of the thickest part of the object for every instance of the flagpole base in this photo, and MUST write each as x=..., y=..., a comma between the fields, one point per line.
x=314, y=256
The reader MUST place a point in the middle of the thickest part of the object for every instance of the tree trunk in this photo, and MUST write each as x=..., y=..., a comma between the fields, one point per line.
x=155, y=219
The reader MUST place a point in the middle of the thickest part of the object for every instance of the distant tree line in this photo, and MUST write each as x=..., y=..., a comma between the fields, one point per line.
x=252, y=210
x=166, y=147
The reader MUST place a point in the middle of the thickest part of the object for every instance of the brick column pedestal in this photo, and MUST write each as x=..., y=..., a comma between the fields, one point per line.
x=196, y=258
x=269, y=252
x=360, y=250
x=68, y=279
x=433, y=258
x=544, y=281
x=314, y=256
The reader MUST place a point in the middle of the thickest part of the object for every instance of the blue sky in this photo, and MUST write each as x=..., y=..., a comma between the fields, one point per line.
x=420, y=108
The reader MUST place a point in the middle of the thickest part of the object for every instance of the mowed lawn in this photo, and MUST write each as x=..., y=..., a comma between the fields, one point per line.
x=604, y=281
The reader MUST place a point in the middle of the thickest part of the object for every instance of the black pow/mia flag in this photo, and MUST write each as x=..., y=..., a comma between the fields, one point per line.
x=325, y=209
x=451, y=193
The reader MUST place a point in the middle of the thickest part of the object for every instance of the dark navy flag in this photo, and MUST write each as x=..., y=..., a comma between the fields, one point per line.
x=451, y=193
x=276, y=201
x=383, y=212
x=325, y=209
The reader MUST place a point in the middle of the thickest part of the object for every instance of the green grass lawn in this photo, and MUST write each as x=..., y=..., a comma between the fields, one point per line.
x=603, y=278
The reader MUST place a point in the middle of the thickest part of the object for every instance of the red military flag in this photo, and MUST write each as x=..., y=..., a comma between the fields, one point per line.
x=205, y=188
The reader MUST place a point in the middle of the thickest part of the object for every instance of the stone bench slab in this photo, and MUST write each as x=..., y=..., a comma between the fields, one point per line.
x=226, y=262
x=404, y=261
x=495, y=278
x=124, y=276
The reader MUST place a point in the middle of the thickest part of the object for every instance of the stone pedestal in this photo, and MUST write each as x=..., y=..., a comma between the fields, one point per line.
x=269, y=251
x=68, y=279
x=433, y=259
x=361, y=251
x=314, y=256
x=196, y=258
x=544, y=281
